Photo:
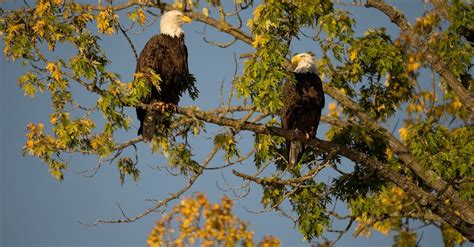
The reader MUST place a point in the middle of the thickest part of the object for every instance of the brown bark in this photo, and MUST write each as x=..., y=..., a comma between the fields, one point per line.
x=446, y=212
x=431, y=179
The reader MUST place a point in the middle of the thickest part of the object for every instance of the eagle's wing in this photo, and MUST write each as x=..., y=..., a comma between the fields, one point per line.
x=303, y=105
x=149, y=58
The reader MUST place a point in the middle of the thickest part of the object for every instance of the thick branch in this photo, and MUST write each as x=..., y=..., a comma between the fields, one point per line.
x=424, y=198
x=430, y=178
x=221, y=25
x=395, y=15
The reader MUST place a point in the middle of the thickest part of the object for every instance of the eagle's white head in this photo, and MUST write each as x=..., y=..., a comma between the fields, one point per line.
x=171, y=22
x=303, y=63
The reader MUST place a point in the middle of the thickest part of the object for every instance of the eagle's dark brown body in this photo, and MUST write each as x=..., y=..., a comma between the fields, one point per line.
x=168, y=57
x=303, y=103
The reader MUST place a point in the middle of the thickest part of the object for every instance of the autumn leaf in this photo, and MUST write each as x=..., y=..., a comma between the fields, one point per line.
x=403, y=133
x=53, y=68
x=39, y=28
x=456, y=103
x=106, y=21
x=205, y=12
x=332, y=110
x=353, y=54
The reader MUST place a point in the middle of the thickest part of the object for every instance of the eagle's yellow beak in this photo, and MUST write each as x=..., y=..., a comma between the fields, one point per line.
x=295, y=60
x=186, y=19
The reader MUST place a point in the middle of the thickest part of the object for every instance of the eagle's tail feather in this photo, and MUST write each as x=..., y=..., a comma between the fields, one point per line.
x=295, y=152
x=140, y=130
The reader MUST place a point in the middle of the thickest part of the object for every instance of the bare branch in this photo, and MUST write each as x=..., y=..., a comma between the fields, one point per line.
x=218, y=44
x=129, y=41
x=164, y=202
x=295, y=182
x=231, y=163
x=395, y=15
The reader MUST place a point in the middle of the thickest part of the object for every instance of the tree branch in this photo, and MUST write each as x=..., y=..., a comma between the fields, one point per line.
x=164, y=202
x=446, y=212
x=430, y=178
x=397, y=17
x=221, y=25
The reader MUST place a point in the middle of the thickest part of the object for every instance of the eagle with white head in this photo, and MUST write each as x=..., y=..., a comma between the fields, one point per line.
x=167, y=55
x=303, y=103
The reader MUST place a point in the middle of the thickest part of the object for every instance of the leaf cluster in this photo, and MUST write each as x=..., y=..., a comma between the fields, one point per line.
x=376, y=74
x=200, y=222
x=274, y=24
x=446, y=152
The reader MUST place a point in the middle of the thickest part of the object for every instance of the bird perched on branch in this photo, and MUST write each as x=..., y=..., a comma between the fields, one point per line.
x=303, y=103
x=165, y=55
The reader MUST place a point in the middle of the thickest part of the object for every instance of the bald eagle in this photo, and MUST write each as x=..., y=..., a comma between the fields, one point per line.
x=303, y=103
x=167, y=55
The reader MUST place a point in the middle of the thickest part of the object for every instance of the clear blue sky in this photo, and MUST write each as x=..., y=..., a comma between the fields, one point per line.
x=37, y=210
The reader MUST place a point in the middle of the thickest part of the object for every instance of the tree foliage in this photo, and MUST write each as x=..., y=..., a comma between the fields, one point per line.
x=376, y=81
x=202, y=223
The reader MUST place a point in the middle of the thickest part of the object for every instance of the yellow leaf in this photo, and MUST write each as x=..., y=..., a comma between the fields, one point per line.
x=389, y=153
x=141, y=17
x=39, y=28
x=343, y=91
x=387, y=81
x=178, y=4
x=51, y=67
x=381, y=107
x=456, y=103
x=105, y=21
x=30, y=143
x=403, y=133
x=139, y=75
x=332, y=109
x=5, y=51
x=13, y=29
x=383, y=227
x=41, y=7
x=413, y=66
x=54, y=70
x=53, y=120
x=258, y=12
x=256, y=41
x=353, y=55
x=85, y=17
x=413, y=62
x=205, y=12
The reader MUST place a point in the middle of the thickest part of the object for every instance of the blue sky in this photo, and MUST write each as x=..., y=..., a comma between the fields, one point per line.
x=37, y=210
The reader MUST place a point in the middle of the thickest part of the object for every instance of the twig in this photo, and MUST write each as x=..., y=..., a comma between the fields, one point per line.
x=129, y=41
